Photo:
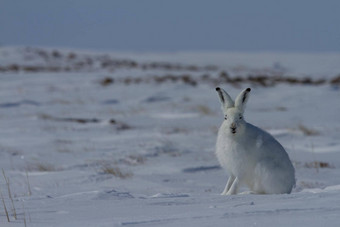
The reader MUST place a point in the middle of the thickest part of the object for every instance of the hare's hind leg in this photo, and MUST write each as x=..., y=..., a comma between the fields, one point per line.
x=228, y=185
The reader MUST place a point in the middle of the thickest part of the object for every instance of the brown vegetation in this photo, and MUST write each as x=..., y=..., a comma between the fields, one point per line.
x=56, y=61
x=115, y=171
x=318, y=165
x=308, y=131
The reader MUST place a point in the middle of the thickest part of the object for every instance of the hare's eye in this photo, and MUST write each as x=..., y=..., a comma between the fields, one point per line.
x=225, y=117
x=240, y=117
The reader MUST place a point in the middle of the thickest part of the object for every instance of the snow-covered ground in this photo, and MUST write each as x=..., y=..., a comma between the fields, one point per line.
x=103, y=150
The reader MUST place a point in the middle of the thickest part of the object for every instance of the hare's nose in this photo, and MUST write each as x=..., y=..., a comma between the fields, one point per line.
x=233, y=128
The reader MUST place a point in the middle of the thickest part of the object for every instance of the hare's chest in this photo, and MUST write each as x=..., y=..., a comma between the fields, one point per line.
x=239, y=158
x=230, y=154
x=234, y=155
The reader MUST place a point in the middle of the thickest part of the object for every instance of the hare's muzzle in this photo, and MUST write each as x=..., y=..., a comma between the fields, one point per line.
x=233, y=128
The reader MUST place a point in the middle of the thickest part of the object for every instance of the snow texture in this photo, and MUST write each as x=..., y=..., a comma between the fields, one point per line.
x=99, y=150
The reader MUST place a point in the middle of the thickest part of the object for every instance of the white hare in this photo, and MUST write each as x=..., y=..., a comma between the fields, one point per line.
x=251, y=156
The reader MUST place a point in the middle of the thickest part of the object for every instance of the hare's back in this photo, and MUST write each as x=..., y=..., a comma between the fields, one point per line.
x=265, y=145
x=273, y=168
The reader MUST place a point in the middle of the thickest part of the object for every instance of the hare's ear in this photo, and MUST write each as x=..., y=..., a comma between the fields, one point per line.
x=225, y=99
x=242, y=98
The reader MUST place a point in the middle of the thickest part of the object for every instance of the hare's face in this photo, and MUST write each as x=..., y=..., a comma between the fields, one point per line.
x=233, y=121
x=233, y=111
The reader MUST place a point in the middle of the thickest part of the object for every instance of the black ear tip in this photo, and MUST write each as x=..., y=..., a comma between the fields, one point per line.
x=218, y=88
x=248, y=89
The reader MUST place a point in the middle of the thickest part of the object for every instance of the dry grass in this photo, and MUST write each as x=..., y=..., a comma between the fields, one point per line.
x=204, y=110
x=308, y=184
x=10, y=194
x=13, y=209
x=318, y=165
x=77, y=62
x=335, y=80
x=64, y=150
x=41, y=167
x=118, y=125
x=106, y=81
x=115, y=171
x=69, y=119
x=23, y=208
x=308, y=131
x=133, y=160
x=257, y=79
x=28, y=185
x=4, y=204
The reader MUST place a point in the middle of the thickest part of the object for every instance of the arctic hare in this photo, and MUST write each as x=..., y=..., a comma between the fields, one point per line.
x=251, y=156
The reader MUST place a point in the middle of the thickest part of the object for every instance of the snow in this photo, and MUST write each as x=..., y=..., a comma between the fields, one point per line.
x=142, y=154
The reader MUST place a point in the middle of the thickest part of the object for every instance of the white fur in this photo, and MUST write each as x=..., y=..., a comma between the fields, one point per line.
x=251, y=156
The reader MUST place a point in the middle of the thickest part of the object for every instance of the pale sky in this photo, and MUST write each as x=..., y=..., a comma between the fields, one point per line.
x=176, y=25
